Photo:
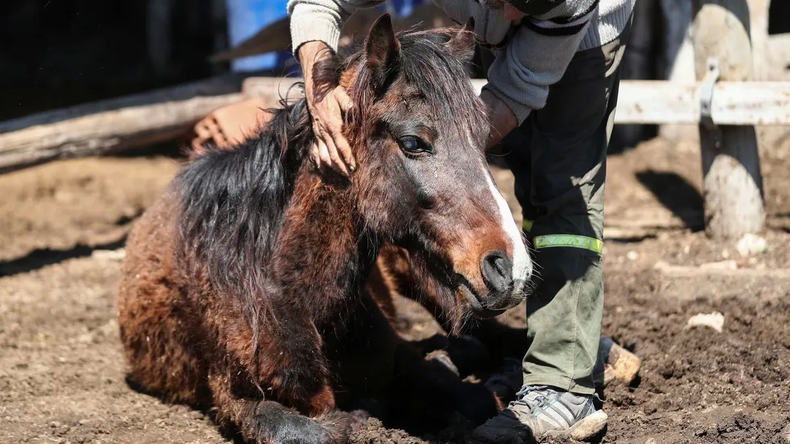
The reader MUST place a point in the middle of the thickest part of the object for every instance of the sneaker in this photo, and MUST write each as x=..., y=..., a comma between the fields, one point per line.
x=543, y=411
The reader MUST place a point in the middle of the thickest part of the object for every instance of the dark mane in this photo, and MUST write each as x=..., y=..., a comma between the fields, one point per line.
x=233, y=201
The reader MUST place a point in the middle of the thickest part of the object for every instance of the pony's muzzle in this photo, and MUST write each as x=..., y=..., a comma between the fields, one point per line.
x=504, y=281
x=497, y=270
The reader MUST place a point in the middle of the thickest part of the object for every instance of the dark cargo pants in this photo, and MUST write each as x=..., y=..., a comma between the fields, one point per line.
x=558, y=157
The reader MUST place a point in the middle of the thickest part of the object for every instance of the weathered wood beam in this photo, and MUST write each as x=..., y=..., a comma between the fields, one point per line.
x=662, y=102
x=115, y=124
x=734, y=103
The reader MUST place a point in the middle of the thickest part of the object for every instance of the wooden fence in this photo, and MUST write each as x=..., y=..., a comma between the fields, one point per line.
x=724, y=101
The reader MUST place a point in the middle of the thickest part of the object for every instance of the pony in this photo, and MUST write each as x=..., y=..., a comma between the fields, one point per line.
x=246, y=287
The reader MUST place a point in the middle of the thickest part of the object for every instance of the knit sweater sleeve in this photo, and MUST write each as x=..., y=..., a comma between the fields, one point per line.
x=321, y=20
x=537, y=55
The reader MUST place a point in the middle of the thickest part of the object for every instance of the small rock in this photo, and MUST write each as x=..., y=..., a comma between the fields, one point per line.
x=751, y=244
x=632, y=255
x=650, y=441
x=85, y=338
x=63, y=196
x=713, y=320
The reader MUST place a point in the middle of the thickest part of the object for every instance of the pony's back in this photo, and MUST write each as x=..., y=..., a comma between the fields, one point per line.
x=217, y=224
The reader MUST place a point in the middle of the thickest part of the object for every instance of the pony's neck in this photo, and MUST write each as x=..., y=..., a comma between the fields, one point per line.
x=322, y=258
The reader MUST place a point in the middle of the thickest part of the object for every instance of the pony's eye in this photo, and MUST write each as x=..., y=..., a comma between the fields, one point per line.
x=414, y=145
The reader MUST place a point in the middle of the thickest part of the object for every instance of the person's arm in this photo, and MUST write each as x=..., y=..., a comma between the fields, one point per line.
x=321, y=20
x=315, y=31
x=500, y=116
x=535, y=58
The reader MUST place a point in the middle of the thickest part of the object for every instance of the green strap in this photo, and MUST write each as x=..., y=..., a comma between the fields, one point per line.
x=568, y=240
x=527, y=225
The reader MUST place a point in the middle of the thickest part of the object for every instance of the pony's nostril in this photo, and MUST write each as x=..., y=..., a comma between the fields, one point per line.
x=497, y=271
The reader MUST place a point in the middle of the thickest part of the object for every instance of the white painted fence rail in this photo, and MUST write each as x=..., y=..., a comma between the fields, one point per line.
x=734, y=103
x=660, y=102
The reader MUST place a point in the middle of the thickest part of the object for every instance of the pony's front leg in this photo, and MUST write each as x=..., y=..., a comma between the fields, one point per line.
x=275, y=389
x=269, y=422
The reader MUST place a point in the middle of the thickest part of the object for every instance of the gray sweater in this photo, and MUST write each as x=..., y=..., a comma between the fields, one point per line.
x=531, y=54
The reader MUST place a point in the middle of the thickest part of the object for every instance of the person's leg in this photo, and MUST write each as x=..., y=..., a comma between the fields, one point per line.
x=559, y=159
x=564, y=220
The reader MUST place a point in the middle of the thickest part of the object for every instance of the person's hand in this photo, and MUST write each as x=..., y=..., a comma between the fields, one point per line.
x=331, y=148
x=502, y=119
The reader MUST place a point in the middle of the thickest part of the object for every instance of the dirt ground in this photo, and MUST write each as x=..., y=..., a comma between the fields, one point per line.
x=62, y=229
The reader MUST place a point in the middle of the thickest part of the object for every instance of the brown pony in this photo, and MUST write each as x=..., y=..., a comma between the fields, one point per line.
x=245, y=287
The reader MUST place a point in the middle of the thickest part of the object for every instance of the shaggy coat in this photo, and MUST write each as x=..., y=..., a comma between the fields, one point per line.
x=247, y=287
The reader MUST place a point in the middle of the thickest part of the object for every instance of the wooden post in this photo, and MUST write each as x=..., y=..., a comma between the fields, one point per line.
x=733, y=185
x=758, y=15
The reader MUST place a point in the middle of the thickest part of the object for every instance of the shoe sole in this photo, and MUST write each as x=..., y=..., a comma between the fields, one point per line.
x=583, y=430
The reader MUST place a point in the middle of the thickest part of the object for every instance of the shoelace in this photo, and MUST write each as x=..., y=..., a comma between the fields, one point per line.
x=539, y=402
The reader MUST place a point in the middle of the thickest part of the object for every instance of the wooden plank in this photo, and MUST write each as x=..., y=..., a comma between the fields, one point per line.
x=733, y=184
x=662, y=102
x=658, y=102
x=756, y=103
x=734, y=103
x=112, y=125
x=117, y=124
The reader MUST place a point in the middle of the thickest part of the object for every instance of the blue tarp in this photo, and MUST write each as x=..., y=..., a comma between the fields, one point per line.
x=246, y=17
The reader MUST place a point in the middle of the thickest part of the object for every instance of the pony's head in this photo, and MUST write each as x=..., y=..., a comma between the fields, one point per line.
x=418, y=131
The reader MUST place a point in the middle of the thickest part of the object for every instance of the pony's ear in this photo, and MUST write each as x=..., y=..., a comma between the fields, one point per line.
x=382, y=51
x=462, y=44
